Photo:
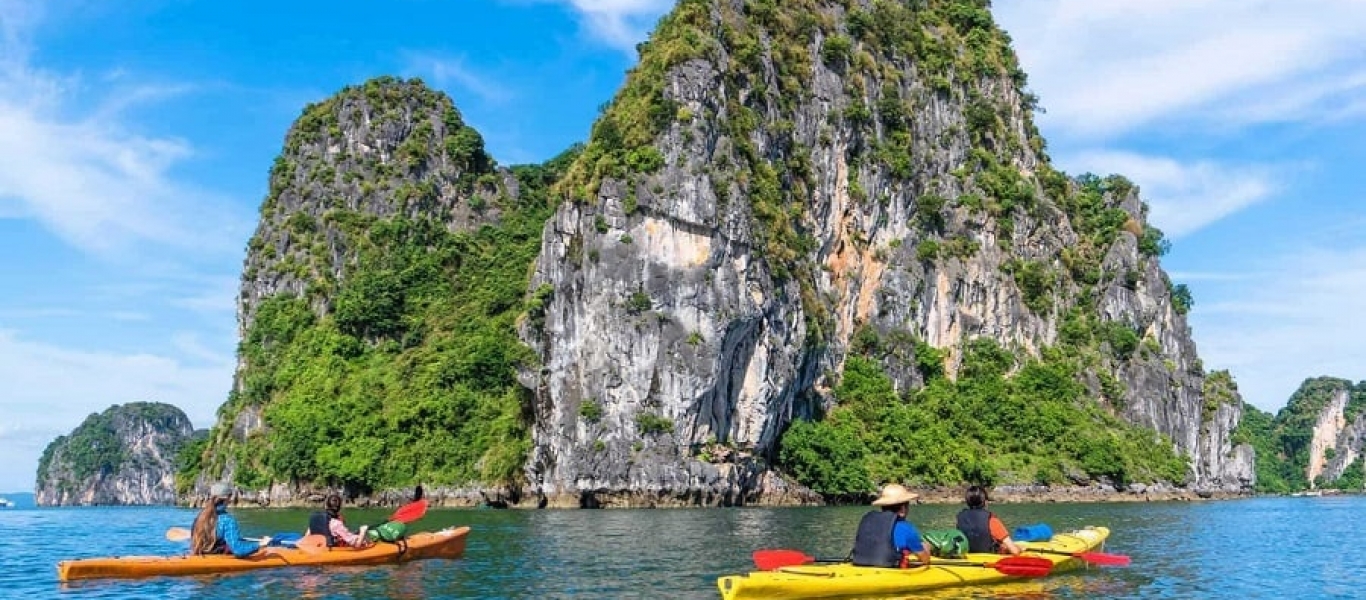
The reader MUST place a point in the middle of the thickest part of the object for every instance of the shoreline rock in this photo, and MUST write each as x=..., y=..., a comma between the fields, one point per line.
x=473, y=497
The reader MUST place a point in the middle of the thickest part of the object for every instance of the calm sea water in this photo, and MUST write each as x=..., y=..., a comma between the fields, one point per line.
x=1256, y=548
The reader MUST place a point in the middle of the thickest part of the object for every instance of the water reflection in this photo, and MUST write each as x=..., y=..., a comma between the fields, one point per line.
x=1259, y=548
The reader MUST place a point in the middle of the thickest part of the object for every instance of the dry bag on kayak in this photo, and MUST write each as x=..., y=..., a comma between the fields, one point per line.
x=392, y=531
x=947, y=543
x=1038, y=532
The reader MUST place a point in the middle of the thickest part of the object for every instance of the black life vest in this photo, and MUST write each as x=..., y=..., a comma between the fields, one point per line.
x=873, y=545
x=320, y=523
x=975, y=523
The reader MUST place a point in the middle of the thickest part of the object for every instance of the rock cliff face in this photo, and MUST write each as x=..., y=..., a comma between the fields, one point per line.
x=123, y=456
x=774, y=176
x=773, y=179
x=1347, y=451
x=388, y=147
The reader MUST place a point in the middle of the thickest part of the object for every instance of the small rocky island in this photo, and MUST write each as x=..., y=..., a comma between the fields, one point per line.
x=122, y=456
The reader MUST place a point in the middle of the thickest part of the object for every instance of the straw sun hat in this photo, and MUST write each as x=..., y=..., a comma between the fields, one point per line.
x=895, y=494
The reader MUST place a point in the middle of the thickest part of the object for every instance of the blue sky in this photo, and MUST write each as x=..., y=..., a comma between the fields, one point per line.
x=135, y=141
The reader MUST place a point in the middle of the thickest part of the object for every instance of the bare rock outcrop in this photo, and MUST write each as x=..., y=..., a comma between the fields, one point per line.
x=125, y=455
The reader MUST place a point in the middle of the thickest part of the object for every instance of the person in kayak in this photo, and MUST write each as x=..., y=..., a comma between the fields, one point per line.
x=330, y=525
x=885, y=538
x=215, y=531
x=984, y=530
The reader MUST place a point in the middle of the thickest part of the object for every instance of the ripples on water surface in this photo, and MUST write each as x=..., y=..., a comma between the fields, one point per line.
x=1259, y=548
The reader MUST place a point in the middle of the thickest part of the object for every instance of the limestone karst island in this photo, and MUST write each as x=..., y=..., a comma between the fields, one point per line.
x=808, y=247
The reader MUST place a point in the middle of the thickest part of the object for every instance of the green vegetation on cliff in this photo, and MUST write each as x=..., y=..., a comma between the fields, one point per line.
x=1000, y=422
x=1258, y=429
x=92, y=448
x=410, y=375
x=96, y=447
x=387, y=147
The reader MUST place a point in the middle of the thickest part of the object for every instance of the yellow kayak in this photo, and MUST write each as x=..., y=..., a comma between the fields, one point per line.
x=447, y=543
x=845, y=580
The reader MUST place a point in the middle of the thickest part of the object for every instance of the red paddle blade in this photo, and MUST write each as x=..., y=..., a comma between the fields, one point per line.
x=1023, y=566
x=410, y=512
x=1101, y=558
x=771, y=560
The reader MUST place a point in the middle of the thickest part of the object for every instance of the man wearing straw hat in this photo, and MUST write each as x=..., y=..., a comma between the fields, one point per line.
x=885, y=538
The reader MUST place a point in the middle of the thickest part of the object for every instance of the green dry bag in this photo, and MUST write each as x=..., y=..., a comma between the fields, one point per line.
x=392, y=531
x=947, y=543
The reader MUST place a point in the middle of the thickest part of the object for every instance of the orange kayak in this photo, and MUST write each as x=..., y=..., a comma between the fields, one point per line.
x=447, y=543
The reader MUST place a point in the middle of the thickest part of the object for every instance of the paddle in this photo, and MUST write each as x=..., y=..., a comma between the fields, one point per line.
x=411, y=511
x=770, y=560
x=178, y=534
x=311, y=544
x=1095, y=558
x=181, y=534
x=1016, y=566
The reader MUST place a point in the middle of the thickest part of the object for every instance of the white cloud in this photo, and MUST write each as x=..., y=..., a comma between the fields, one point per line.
x=1182, y=197
x=51, y=388
x=74, y=165
x=1105, y=68
x=214, y=295
x=1202, y=276
x=619, y=23
x=1200, y=81
x=1298, y=321
x=47, y=312
x=23, y=447
x=75, y=162
x=189, y=344
x=1325, y=99
x=446, y=71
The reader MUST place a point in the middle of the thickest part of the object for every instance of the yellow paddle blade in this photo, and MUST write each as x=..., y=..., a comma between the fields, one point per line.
x=178, y=534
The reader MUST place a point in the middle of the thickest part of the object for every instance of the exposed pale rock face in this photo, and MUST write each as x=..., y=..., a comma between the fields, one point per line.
x=380, y=150
x=124, y=456
x=1327, y=430
x=1336, y=442
x=668, y=322
x=1219, y=464
x=1348, y=448
x=726, y=342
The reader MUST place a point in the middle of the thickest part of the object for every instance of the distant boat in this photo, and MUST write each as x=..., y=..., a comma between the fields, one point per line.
x=5, y=503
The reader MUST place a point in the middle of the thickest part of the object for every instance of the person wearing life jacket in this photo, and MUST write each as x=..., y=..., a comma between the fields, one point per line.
x=885, y=538
x=215, y=531
x=330, y=525
x=984, y=530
